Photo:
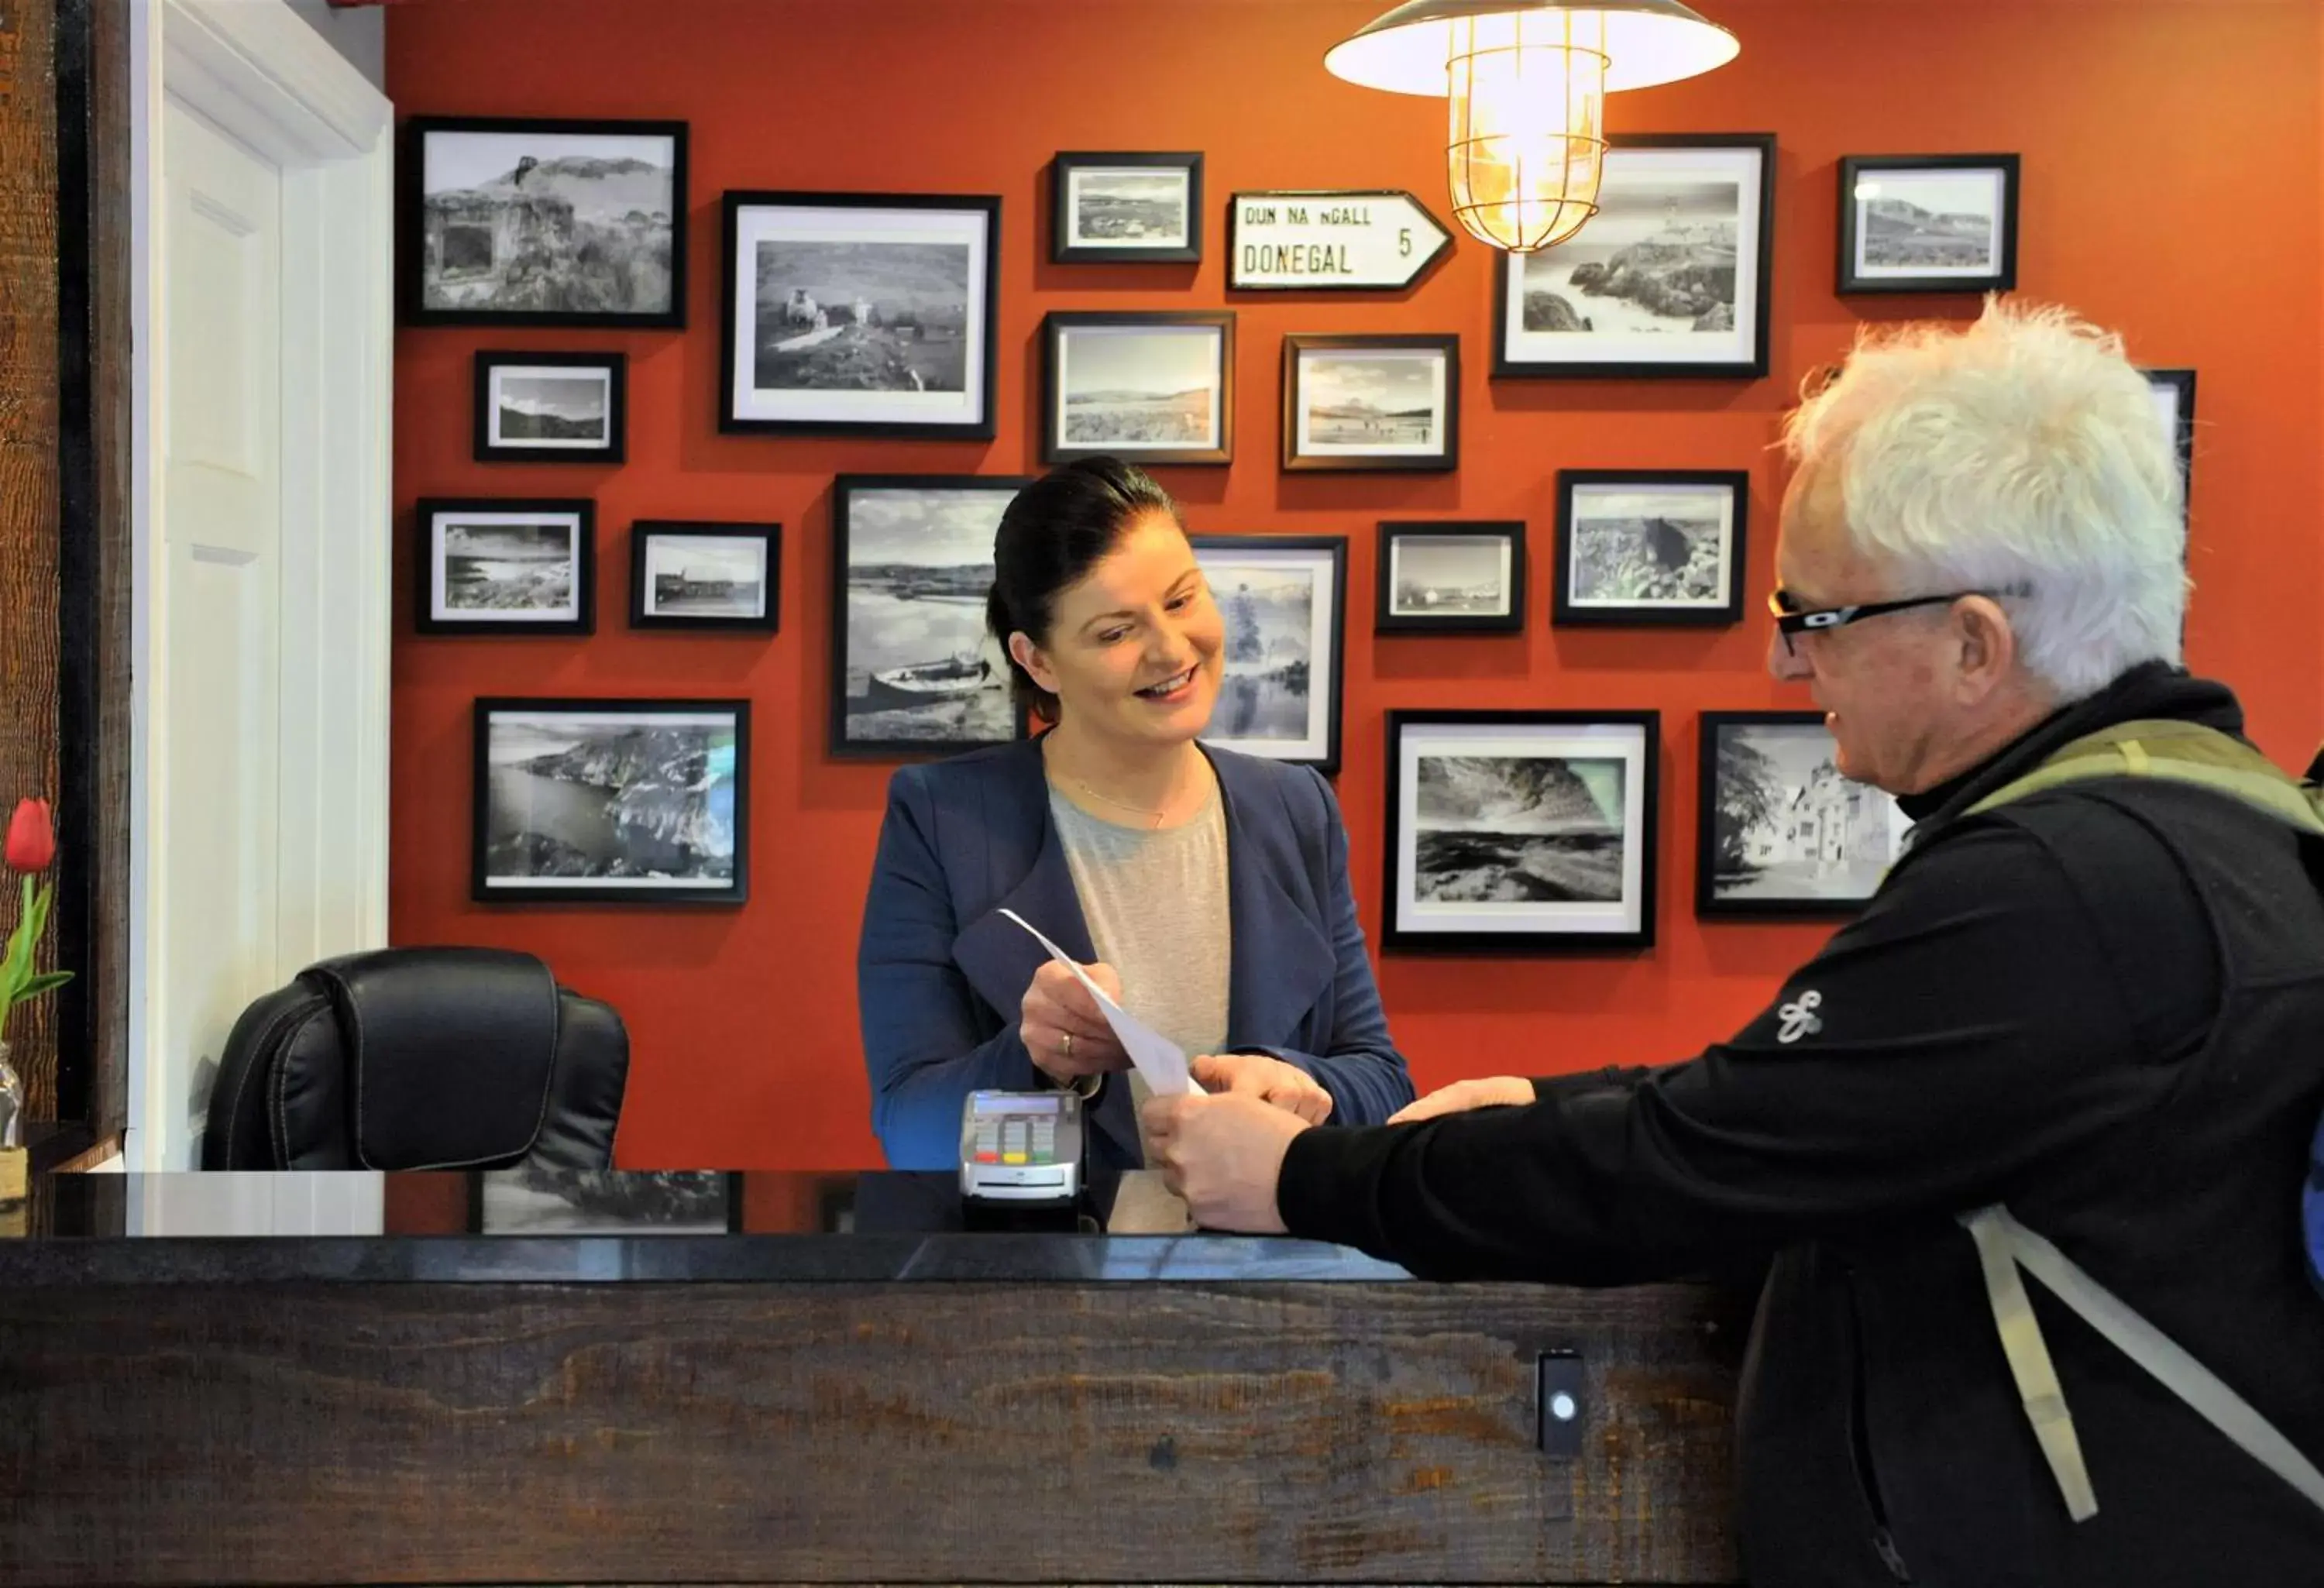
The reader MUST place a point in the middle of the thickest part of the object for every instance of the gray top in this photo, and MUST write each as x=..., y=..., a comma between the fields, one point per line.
x=1156, y=903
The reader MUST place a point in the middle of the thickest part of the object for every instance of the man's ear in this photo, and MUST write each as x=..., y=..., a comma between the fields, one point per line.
x=1986, y=653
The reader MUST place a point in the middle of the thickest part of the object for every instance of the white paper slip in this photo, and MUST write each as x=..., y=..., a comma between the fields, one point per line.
x=1161, y=1060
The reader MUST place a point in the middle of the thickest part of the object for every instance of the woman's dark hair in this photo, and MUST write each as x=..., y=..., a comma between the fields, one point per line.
x=1055, y=530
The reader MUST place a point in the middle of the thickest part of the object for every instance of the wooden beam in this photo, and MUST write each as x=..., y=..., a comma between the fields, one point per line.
x=93, y=559
x=1178, y=1432
x=29, y=420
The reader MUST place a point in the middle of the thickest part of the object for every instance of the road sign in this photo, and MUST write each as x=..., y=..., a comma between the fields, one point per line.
x=1322, y=241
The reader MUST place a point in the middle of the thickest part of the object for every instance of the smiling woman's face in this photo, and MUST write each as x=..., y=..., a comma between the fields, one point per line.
x=1135, y=644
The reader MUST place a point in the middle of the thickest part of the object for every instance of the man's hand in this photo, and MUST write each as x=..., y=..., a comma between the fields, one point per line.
x=1224, y=1155
x=1270, y=1080
x=1491, y=1092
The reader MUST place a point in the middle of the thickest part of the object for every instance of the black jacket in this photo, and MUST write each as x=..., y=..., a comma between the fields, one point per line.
x=2102, y=1004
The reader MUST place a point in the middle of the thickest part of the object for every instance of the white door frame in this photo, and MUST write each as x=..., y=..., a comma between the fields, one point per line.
x=264, y=77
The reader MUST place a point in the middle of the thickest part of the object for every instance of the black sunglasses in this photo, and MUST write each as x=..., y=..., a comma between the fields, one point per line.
x=1791, y=620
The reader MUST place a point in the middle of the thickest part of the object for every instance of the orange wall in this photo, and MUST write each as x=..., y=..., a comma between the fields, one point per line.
x=2171, y=189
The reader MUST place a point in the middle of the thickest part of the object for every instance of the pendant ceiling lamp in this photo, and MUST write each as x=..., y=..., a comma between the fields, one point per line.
x=1528, y=80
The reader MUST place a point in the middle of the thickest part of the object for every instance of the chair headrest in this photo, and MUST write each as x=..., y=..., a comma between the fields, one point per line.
x=452, y=1052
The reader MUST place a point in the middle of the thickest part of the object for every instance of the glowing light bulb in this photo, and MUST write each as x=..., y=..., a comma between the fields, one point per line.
x=1528, y=81
x=1527, y=139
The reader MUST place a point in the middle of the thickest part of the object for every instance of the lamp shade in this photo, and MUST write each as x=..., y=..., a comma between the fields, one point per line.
x=1648, y=42
x=1528, y=81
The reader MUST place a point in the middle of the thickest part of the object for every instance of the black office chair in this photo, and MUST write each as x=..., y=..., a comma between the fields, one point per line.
x=420, y=1058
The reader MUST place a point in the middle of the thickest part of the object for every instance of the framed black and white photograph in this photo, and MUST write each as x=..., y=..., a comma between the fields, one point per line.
x=1669, y=278
x=1126, y=209
x=612, y=801
x=1517, y=831
x=1450, y=577
x=1781, y=832
x=533, y=1199
x=2174, y=408
x=502, y=566
x=1284, y=600
x=552, y=406
x=913, y=670
x=1650, y=546
x=705, y=576
x=509, y=222
x=1928, y=223
x=867, y=314
x=1372, y=402
x=1152, y=388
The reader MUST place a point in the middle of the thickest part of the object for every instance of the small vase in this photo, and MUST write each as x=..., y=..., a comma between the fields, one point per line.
x=11, y=1103
x=12, y=1149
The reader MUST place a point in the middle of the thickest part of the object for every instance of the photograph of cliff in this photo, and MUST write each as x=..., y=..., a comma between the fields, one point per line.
x=1519, y=829
x=1659, y=259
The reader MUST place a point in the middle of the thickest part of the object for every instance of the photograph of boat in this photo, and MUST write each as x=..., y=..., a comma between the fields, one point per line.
x=916, y=669
x=906, y=689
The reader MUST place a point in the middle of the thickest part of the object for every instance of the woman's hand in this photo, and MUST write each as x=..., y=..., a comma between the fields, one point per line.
x=1064, y=1031
x=1255, y=1074
x=1490, y=1092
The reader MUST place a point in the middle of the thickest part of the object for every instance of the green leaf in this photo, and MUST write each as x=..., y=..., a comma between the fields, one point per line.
x=46, y=982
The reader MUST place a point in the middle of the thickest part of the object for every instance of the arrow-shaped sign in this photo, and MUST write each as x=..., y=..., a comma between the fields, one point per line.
x=1322, y=241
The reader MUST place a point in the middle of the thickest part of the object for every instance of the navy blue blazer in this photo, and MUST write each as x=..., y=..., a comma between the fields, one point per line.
x=941, y=975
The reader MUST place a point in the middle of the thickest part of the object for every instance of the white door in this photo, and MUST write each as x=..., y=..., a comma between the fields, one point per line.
x=216, y=696
x=260, y=169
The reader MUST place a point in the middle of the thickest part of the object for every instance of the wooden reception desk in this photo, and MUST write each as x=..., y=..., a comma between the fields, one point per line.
x=852, y=1388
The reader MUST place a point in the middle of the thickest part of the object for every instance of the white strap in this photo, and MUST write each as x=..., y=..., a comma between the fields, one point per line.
x=2029, y=1361
x=1998, y=1234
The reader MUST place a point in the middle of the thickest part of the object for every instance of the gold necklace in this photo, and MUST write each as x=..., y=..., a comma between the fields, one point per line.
x=1125, y=805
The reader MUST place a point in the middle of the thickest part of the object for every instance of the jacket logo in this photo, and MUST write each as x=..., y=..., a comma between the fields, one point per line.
x=1800, y=1018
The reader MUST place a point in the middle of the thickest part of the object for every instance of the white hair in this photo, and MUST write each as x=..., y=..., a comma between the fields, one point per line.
x=2024, y=454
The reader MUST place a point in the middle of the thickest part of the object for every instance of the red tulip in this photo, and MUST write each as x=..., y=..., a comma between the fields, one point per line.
x=32, y=841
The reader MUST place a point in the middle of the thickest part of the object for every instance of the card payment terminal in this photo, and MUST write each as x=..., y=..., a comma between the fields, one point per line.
x=1022, y=1148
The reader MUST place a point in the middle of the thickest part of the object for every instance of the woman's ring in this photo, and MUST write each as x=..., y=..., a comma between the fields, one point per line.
x=1066, y=1044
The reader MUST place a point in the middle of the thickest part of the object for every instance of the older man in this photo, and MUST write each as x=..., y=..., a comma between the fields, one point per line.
x=2100, y=1005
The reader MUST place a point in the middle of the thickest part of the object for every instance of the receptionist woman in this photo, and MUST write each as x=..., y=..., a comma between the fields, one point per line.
x=1206, y=890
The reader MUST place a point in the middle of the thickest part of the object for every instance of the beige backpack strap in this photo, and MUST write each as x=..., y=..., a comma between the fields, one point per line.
x=2004, y=1246
x=2028, y=1353
x=2182, y=752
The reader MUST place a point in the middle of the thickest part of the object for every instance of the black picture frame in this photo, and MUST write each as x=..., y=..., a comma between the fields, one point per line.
x=605, y=1185
x=432, y=616
x=1428, y=612
x=1060, y=329
x=866, y=327
x=1573, y=607
x=645, y=600
x=1244, y=697
x=1941, y=177
x=484, y=222
x=1069, y=241
x=1832, y=824
x=2175, y=396
x=486, y=887
x=1301, y=452
x=1486, y=925
x=1643, y=161
x=876, y=735
x=493, y=442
